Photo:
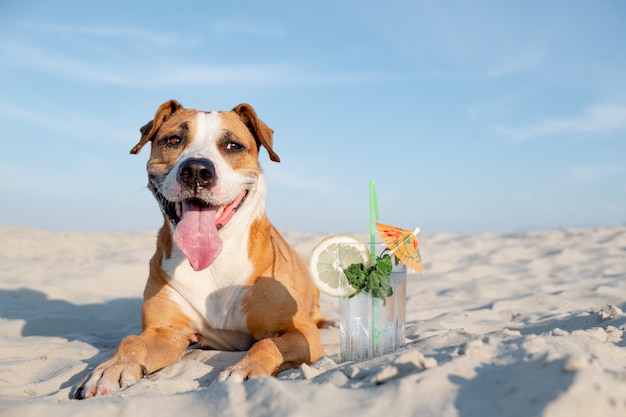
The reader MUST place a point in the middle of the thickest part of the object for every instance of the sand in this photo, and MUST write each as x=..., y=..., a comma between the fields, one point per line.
x=530, y=324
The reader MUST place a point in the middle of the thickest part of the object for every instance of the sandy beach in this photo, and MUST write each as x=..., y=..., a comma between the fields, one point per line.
x=528, y=324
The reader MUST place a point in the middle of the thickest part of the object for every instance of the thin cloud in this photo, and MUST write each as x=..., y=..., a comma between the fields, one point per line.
x=146, y=76
x=25, y=55
x=166, y=73
x=591, y=173
x=293, y=180
x=247, y=28
x=597, y=118
x=14, y=111
x=114, y=67
x=516, y=64
x=120, y=33
x=66, y=123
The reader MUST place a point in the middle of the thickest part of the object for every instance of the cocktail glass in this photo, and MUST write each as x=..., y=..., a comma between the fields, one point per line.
x=371, y=326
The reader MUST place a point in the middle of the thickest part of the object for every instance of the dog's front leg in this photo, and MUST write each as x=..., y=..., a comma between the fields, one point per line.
x=269, y=355
x=136, y=357
x=165, y=336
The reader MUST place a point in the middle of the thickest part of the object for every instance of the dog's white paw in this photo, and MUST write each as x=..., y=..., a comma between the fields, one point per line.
x=231, y=374
x=109, y=378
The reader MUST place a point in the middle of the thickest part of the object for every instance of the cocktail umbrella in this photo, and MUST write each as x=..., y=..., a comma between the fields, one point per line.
x=403, y=244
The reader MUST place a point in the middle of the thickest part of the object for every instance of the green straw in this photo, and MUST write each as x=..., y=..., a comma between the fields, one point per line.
x=374, y=216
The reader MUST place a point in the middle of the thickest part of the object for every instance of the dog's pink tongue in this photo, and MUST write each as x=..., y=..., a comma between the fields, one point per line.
x=196, y=235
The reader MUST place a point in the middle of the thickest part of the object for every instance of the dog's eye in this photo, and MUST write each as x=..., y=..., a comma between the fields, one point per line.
x=171, y=141
x=233, y=146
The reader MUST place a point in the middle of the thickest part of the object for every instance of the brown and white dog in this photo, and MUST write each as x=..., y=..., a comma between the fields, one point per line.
x=221, y=276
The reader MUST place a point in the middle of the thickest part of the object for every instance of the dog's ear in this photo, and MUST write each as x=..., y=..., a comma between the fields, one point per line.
x=261, y=132
x=149, y=129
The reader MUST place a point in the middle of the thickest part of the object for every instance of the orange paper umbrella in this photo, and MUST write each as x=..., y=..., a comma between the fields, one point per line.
x=403, y=244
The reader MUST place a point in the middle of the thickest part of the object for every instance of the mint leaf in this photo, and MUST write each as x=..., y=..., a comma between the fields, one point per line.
x=379, y=278
x=357, y=276
x=375, y=279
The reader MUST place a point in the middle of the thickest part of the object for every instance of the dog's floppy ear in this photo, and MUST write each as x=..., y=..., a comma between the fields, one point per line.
x=262, y=133
x=149, y=129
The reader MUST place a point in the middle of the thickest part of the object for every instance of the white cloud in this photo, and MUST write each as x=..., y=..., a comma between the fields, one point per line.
x=516, y=64
x=597, y=118
x=162, y=72
x=248, y=28
x=124, y=56
x=153, y=75
x=293, y=180
x=14, y=111
x=594, y=172
x=67, y=123
x=121, y=33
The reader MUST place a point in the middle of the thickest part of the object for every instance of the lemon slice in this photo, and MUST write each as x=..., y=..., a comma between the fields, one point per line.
x=330, y=257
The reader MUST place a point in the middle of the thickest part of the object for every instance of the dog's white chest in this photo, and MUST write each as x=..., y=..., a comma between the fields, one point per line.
x=212, y=297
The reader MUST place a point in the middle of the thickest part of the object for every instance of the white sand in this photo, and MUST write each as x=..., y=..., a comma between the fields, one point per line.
x=519, y=325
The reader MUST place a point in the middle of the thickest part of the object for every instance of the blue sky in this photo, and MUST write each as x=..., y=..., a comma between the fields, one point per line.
x=501, y=116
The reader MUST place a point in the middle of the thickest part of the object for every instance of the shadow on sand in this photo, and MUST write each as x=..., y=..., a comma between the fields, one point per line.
x=43, y=316
x=511, y=389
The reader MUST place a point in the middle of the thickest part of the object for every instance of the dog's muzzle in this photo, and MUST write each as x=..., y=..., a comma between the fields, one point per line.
x=196, y=215
x=197, y=174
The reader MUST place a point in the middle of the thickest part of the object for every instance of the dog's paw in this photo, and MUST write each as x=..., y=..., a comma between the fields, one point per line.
x=110, y=377
x=242, y=372
x=231, y=375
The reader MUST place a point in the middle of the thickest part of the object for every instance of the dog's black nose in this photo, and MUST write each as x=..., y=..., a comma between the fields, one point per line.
x=197, y=172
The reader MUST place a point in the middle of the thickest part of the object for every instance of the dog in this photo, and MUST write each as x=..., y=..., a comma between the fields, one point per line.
x=221, y=276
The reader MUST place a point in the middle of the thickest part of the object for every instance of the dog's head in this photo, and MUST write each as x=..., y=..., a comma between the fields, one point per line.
x=203, y=167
